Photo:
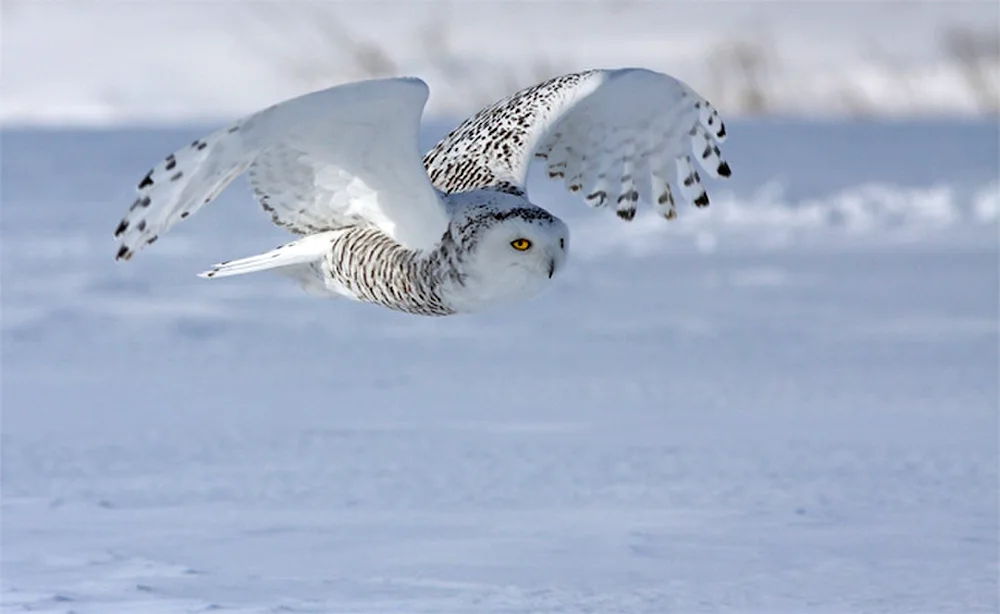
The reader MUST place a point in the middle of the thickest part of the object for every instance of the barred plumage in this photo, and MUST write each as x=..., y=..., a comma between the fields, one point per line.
x=467, y=158
x=377, y=269
x=454, y=232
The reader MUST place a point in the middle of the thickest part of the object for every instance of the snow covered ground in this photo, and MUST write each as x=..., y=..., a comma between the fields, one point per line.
x=113, y=62
x=785, y=403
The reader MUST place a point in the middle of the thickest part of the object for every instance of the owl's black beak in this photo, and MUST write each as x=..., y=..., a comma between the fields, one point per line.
x=552, y=267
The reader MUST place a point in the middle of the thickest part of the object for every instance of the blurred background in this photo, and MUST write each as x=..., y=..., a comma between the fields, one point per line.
x=786, y=402
x=95, y=62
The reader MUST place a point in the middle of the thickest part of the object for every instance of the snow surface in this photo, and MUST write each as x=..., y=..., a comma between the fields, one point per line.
x=785, y=403
x=88, y=63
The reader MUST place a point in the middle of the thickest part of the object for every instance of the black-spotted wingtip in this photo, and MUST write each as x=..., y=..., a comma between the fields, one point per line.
x=724, y=170
x=124, y=253
x=625, y=214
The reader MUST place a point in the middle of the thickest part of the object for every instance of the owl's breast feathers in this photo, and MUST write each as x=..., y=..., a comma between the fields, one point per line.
x=372, y=267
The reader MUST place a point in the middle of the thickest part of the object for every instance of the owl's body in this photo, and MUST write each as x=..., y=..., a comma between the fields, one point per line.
x=362, y=262
x=456, y=234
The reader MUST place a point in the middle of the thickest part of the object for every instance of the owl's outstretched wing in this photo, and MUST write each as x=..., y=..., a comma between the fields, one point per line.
x=340, y=156
x=615, y=136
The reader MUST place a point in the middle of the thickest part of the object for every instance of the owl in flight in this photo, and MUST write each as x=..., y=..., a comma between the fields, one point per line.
x=456, y=234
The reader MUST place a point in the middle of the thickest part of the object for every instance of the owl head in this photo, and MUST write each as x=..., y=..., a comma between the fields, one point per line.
x=509, y=249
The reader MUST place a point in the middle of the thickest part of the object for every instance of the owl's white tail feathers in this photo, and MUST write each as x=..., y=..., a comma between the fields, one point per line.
x=305, y=251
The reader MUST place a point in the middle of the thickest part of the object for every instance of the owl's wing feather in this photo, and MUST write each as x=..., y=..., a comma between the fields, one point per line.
x=615, y=136
x=340, y=156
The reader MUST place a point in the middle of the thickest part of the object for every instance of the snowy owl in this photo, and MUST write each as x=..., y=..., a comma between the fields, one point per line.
x=456, y=234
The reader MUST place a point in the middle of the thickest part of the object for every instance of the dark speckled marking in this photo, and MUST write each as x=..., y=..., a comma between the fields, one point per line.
x=630, y=196
x=600, y=196
x=176, y=175
x=493, y=139
x=146, y=181
x=142, y=201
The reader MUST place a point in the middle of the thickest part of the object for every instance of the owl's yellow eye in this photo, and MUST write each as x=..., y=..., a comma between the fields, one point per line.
x=520, y=244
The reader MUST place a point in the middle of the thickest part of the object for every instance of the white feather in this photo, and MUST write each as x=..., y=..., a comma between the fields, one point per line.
x=318, y=162
x=304, y=251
